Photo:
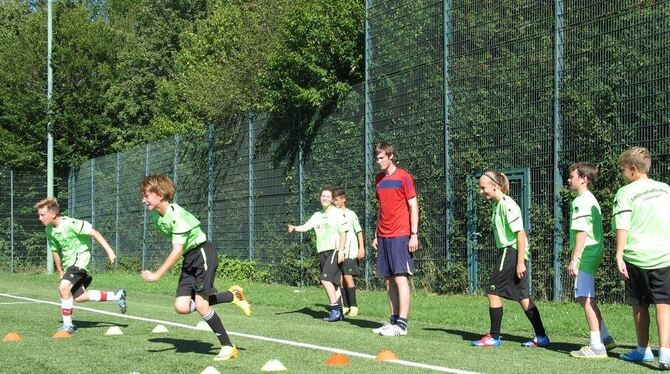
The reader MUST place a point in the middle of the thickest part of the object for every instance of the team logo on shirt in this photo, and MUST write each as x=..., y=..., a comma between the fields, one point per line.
x=493, y=287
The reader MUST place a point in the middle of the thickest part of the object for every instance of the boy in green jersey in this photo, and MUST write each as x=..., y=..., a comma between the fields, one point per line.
x=330, y=229
x=586, y=239
x=354, y=250
x=195, y=290
x=641, y=219
x=70, y=242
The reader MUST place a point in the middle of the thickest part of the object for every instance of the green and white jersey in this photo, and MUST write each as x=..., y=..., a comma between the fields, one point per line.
x=353, y=228
x=507, y=221
x=643, y=209
x=72, y=240
x=327, y=226
x=179, y=225
x=585, y=216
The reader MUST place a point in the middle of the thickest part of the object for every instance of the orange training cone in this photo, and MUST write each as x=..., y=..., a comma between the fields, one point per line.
x=386, y=355
x=338, y=359
x=12, y=337
x=61, y=335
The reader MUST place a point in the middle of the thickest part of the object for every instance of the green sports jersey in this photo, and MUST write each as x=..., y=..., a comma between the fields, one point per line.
x=353, y=228
x=179, y=225
x=585, y=216
x=507, y=221
x=327, y=226
x=643, y=209
x=72, y=241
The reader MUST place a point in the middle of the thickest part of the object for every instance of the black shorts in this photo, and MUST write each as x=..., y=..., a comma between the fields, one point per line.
x=79, y=278
x=330, y=269
x=350, y=267
x=647, y=286
x=198, y=271
x=504, y=282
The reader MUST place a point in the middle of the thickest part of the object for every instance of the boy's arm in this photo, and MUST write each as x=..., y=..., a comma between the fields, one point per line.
x=301, y=228
x=580, y=241
x=414, y=224
x=170, y=261
x=58, y=264
x=101, y=240
x=340, y=245
x=621, y=239
x=520, y=253
x=361, y=245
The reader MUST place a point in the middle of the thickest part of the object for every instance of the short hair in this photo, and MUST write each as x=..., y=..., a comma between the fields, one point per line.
x=339, y=192
x=329, y=189
x=384, y=147
x=498, y=178
x=160, y=185
x=638, y=157
x=585, y=170
x=50, y=203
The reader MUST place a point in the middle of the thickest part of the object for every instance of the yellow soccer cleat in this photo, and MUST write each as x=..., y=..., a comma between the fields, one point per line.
x=228, y=352
x=240, y=300
x=353, y=311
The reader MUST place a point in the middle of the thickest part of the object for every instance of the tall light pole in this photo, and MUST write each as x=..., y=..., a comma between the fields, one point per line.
x=50, y=139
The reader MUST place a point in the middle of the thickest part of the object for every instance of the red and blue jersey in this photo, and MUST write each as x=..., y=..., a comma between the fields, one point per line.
x=393, y=191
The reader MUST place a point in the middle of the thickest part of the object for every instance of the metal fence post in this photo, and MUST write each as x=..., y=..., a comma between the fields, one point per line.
x=117, y=204
x=175, y=165
x=447, y=14
x=369, y=230
x=210, y=178
x=92, y=207
x=558, y=138
x=11, y=221
x=301, y=208
x=252, y=218
x=144, y=212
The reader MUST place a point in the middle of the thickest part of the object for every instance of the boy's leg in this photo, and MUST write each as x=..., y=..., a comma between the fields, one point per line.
x=495, y=315
x=533, y=315
x=209, y=315
x=663, y=324
x=591, y=313
x=66, y=301
x=641, y=319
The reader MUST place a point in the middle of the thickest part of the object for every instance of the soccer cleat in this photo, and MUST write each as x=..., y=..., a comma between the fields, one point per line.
x=393, y=330
x=537, y=341
x=121, y=301
x=353, y=311
x=240, y=300
x=635, y=356
x=663, y=362
x=227, y=352
x=589, y=352
x=69, y=328
x=345, y=310
x=335, y=315
x=379, y=329
x=487, y=341
x=609, y=343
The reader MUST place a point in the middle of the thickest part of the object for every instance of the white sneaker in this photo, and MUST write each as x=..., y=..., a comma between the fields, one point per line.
x=382, y=327
x=394, y=330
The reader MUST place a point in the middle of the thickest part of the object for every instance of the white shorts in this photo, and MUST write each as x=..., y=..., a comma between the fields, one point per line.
x=585, y=285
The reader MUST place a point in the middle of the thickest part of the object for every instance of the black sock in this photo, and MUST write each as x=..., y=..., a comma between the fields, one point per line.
x=221, y=297
x=402, y=323
x=496, y=315
x=345, y=297
x=216, y=325
x=394, y=319
x=533, y=315
x=351, y=296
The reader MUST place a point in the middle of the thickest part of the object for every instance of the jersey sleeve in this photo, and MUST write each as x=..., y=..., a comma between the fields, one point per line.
x=81, y=227
x=513, y=216
x=53, y=244
x=355, y=223
x=408, y=186
x=312, y=222
x=343, y=223
x=621, y=212
x=581, y=219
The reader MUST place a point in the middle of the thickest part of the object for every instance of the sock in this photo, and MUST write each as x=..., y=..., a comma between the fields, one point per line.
x=333, y=306
x=95, y=295
x=402, y=323
x=221, y=297
x=351, y=295
x=604, y=332
x=345, y=297
x=66, y=310
x=643, y=350
x=216, y=325
x=664, y=353
x=533, y=315
x=192, y=306
x=595, y=340
x=394, y=318
x=496, y=315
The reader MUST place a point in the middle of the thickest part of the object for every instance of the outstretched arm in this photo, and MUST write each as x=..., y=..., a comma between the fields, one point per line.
x=101, y=240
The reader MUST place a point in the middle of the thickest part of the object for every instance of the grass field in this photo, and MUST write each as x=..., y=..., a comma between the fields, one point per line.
x=440, y=330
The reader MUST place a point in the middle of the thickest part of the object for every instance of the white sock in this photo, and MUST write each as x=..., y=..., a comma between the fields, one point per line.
x=604, y=332
x=95, y=295
x=665, y=352
x=66, y=310
x=644, y=350
x=595, y=341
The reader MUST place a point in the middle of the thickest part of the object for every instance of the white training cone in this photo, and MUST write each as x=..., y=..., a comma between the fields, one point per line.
x=202, y=325
x=210, y=370
x=114, y=330
x=273, y=365
x=159, y=328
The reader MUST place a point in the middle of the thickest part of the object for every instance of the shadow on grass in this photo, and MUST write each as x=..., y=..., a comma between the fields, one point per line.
x=184, y=346
x=320, y=314
x=94, y=324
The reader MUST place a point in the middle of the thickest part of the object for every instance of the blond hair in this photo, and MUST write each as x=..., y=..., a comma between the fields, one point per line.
x=638, y=157
x=499, y=179
x=160, y=185
x=50, y=203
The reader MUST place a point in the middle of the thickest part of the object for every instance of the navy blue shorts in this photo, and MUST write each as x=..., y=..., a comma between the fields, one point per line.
x=393, y=257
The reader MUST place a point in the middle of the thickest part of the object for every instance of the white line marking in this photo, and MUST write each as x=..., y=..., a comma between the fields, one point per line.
x=258, y=337
x=19, y=302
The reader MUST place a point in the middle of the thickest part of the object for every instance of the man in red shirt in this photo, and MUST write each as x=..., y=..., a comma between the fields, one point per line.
x=396, y=236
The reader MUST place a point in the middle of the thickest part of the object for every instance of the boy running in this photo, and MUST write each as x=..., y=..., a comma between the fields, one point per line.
x=354, y=250
x=641, y=219
x=586, y=239
x=195, y=290
x=70, y=242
